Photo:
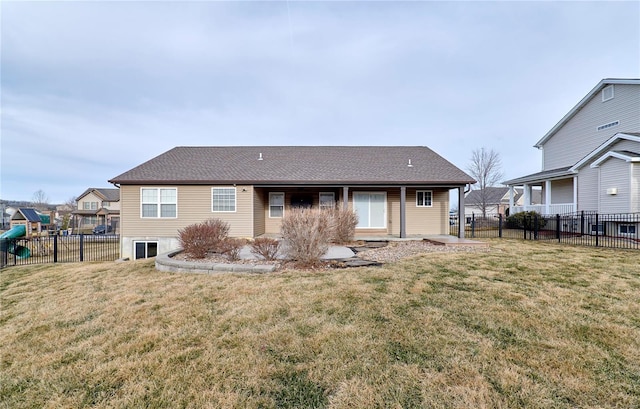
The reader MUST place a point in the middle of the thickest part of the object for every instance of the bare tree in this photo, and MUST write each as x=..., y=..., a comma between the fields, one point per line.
x=40, y=200
x=71, y=203
x=486, y=168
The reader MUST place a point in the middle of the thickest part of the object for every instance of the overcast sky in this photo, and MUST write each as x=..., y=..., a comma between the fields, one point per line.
x=92, y=89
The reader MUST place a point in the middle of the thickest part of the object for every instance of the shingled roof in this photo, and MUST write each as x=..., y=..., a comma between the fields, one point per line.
x=107, y=194
x=358, y=165
x=492, y=195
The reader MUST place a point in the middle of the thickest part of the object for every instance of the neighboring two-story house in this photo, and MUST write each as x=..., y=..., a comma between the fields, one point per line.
x=395, y=190
x=98, y=206
x=591, y=158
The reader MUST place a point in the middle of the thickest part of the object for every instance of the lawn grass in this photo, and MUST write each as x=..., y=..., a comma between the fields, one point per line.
x=524, y=325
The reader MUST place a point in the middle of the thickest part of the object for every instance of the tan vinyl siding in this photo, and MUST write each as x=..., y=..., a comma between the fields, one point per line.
x=579, y=136
x=428, y=220
x=614, y=173
x=194, y=206
x=258, y=213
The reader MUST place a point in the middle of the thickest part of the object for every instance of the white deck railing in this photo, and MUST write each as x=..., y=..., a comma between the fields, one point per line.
x=559, y=208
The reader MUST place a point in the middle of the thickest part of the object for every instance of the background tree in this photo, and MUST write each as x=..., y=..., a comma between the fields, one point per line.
x=486, y=168
x=40, y=200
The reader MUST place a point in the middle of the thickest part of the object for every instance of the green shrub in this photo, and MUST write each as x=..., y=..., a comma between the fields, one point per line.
x=199, y=239
x=525, y=220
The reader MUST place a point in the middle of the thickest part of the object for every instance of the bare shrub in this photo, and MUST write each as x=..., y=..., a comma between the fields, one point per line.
x=344, y=224
x=307, y=233
x=265, y=247
x=231, y=247
x=200, y=238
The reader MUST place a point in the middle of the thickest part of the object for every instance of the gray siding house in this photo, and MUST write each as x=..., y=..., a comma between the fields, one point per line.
x=395, y=190
x=591, y=158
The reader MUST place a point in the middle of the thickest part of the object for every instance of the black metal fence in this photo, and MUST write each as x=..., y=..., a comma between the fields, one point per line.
x=59, y=249
x=582, y=228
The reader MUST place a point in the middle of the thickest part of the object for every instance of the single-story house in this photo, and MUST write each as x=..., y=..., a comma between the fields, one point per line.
x=395, y=190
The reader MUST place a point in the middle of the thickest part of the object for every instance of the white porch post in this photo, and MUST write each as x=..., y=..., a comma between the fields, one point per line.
x=547, y=196
x=511, y=203
x=526, y=191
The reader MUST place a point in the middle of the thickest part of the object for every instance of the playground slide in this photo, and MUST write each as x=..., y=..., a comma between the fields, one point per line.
x=14, y=233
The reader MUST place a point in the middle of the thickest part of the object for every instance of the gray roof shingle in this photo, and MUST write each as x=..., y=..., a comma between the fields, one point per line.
x=494, y=195
x=109, y=194
x=296, y=165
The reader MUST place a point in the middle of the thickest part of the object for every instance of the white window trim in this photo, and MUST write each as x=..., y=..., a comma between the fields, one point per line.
x=333, y=195
x=235, y=199
x=386, y=211
x=283, y=204
x=628, y=225
x=424, y=191
x=604, y=99
x=158, y=203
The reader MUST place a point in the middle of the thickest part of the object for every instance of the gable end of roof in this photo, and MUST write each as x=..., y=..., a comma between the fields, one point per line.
x=605, y=82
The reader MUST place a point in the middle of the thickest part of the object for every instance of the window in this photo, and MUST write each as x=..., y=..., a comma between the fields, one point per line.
x=90, y=205
x=106, y=205
x=159, y=202
x=628, y=229
x=423, y=198
x=371, y=209
x=276, y=204
x=90, y=220
x=599, y=228
x=607, y=93
x=145, y=249
x=223, y=199
x=327, y=200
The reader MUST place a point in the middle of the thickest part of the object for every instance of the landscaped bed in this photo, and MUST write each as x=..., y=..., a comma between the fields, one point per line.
x=522, y=325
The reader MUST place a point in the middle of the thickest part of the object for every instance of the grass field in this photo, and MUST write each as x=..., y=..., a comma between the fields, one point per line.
x=525, y=325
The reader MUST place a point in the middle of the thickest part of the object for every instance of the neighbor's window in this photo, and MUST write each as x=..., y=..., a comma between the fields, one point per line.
x=159, y=202
x=276, y=204
x=424, y=198
x=627, y=229
x=90, y=205
x=90, y=220
x=599, y=228
x=223, y=199
x=327, y=200
x=145, y=249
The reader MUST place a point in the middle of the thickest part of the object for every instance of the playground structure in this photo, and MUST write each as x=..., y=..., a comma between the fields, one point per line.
x=29, y=226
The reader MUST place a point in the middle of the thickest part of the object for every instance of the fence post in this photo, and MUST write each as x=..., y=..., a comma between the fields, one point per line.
x=558, y=227
x=582, y=223
x=81, y=246
x=597, y=229
x=525, y=223
x=535, y=227
x=500, y=225
x=473, y=225
x=55, y=248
